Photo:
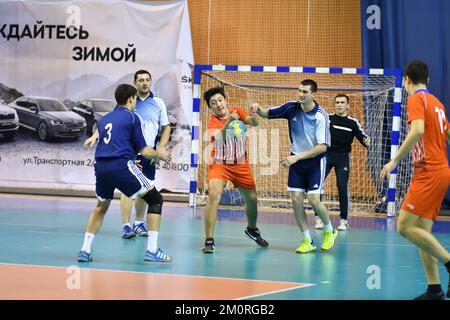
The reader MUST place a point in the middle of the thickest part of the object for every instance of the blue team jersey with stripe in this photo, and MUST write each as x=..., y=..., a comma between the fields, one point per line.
x=120, y=135
x=306, y=129
x=153, y=113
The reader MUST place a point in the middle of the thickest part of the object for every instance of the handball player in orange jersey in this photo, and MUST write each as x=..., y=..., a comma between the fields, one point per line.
x=428, y=132
x=228, y=162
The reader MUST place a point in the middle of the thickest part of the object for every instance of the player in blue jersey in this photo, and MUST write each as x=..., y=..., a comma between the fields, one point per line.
x=153, y=113
x=121, y=137
x=309, y=133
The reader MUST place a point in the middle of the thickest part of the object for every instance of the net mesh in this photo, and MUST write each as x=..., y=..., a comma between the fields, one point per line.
x=371, y=99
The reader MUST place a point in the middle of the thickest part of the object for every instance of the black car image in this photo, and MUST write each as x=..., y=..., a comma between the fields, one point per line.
x=92, y=110
x=48, y=117
x=9, y=122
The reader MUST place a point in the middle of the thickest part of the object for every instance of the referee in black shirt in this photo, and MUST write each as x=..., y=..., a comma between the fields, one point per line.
x=343, y=129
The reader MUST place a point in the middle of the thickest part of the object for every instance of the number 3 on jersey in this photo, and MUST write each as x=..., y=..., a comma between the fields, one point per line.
x=108, y=129
x=442, y=119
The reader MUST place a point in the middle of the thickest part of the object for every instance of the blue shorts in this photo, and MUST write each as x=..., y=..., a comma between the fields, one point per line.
x=307, y=175
x=148, y=169
x=119, y=174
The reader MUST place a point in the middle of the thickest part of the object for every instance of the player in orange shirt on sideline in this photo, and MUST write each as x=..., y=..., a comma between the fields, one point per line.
x=428, y=132
x=229, y=162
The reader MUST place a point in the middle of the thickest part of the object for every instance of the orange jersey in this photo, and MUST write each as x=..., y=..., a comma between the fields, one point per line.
x=431, y=150
x=232, y=149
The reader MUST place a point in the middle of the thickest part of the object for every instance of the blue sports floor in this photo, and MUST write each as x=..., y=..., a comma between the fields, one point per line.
x=371, y=261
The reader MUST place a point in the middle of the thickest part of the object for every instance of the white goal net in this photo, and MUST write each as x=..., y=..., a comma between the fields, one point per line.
x=371, y=102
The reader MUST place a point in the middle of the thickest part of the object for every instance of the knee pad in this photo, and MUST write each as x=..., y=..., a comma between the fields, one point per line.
x=154, y=201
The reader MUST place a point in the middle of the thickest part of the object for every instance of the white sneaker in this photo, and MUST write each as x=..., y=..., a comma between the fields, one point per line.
x=343, y=225
x=319, y=223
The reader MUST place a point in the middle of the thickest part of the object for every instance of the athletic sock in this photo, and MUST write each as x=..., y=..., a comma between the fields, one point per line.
x=88, y=238
x=307, y=235
x=447, y=265
x=126, y=224
x=434, y=288
x=137, y=222
x=328, y=227
x=152, y=243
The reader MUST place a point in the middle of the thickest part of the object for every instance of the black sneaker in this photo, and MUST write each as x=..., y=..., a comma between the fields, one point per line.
x=255, y=235
x=431, y=296
x=209, y=246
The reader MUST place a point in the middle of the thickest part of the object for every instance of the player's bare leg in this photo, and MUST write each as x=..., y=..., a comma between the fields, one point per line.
x=94, y=224
x=319, y=208
x=215, y=189
x=140, y=206
x=98, y=214
x=251, y=205
x=299, y=210
x=408, y=226
x=126, y=205
x=413, y=227
x=307, y=244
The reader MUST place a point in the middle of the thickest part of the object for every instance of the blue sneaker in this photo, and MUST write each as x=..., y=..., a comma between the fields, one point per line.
x=83, y=256
x=140, y=230
x=158, y=256
x=127, y=232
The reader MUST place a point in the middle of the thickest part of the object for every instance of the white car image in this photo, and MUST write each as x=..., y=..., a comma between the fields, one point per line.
x=9, y=122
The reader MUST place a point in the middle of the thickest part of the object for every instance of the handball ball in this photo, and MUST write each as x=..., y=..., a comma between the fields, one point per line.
x=236, y=129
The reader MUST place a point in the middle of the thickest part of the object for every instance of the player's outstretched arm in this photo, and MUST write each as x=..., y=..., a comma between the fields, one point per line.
x=90, y=142
x=260, y=111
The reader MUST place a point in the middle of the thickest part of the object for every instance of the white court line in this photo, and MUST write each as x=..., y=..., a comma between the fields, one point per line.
x=29, y=225
x=155, y=273
x=276, y=291
x=53, y=233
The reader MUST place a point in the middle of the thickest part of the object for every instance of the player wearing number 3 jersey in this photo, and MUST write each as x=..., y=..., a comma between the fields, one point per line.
x=121, y=137
x=428, y=132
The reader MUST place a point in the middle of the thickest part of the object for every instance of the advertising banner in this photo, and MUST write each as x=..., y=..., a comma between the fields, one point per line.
x=60, y=64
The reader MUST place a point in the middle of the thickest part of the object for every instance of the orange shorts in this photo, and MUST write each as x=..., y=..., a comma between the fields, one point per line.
x=426, y=192
x=239, y=174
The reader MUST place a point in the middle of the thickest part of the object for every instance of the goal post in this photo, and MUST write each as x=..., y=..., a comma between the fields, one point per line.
x=376, y=100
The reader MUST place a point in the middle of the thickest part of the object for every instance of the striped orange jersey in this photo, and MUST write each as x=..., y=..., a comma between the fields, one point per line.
x=232, y=149
x=431, y=150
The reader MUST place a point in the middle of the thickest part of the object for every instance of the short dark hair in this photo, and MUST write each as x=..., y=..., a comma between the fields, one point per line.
x=311, y=83
x=341, y=95
x=213, y=91
x=141, y=72
x=417, y=72
x=123, y=93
